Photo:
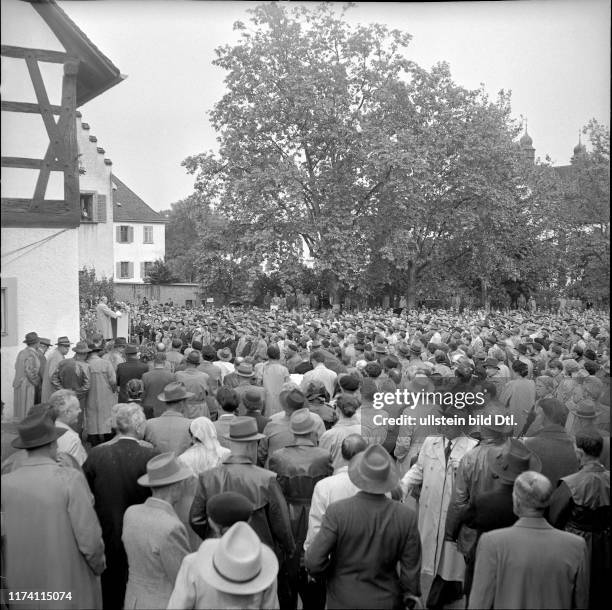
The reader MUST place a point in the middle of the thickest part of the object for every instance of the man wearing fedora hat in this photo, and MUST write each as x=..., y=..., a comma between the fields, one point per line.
x=277, y=433
x=245, y=373
x=234, y=571
x=239, y=473
x=155, y=540
x=530, y=564
x=363, y=539
x=27, y=376
x=299, y=466
x=52, y=536
x=101, y=397
x=153, y=383
x=57, y=355
x=170, y=431
x=253, y=403
x=73, y=374
x=43, y=345
x=224, y=362
x=133, y=368
x=198, y=383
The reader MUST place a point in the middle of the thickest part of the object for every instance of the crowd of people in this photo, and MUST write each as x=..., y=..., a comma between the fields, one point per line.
x=269, y=458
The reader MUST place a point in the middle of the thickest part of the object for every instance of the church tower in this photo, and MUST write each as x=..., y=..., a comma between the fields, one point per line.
x=579, y=149
x=527, y=148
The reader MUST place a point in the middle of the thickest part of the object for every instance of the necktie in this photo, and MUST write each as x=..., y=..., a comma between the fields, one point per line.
x=447, y=451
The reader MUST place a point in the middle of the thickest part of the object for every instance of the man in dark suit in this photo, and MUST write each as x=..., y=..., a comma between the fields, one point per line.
x=363, y=538
x=551, y=443
x=153, y=383
x=112, y=470
x=299, y=466
x=132, y=369
x=239, y=473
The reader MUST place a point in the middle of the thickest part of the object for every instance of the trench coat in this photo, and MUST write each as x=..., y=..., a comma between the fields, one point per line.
x=103, y=320
x=47, y=387
x=102, y=395
x=156, y=543
x=437, y=479
x=27, y=378
x=53, y=538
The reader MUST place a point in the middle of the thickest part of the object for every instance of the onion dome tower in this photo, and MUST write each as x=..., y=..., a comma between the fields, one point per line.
x=527, y=148
x=579, y=149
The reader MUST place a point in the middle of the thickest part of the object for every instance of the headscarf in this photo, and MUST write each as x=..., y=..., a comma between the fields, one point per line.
x=206, y=452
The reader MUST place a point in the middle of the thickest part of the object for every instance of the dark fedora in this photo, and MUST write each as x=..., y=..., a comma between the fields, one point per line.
x=164, y=469
x=36, y=430
x=379, y=348
x=174, y=392
x=64, y=341
x=586, y=410
x=295, y=399
x=81, y=348
x=31, y=339
x=94, y=348
x=302, y=422
x=373, y=470
x=44, y=341
x=131, y=349
x=514, y=459
x=120, y=342
x=243, y=429
x=252, y=400
x=415, y=348
x=404, y=349
x=245, y=369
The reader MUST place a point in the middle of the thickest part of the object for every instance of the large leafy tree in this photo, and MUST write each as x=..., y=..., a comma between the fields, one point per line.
x=329, y=138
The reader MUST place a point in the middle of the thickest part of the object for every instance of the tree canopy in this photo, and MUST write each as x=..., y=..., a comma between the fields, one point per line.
x=333, y=144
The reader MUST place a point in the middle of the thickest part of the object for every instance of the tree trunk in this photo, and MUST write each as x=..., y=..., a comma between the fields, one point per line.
x=485, y=294
x=411, y=291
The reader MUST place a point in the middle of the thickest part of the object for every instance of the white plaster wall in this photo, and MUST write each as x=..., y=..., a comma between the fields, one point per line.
x=47, y=291
x=138, y=252
x=95, y=239
x=22, y=26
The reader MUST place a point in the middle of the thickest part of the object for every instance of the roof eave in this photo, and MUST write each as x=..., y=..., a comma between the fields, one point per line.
x=97, y=73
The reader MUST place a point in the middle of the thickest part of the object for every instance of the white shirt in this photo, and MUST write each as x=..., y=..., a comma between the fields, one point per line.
x=327, y=490
x=69, y=442
x=320, y=373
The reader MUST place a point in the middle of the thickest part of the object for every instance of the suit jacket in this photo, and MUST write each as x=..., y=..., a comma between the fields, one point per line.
x=270, y=518
x=530, y=565
x=154, y=383
x=553, y=445
x=169, y=432
x=156, y=543
x=133, y=369
x=111, y=470
x=358, y=548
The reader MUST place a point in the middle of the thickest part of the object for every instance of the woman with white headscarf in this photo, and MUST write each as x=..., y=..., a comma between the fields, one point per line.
x=206, y=451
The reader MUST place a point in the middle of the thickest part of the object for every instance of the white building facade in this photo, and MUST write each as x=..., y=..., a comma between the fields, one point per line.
x=49, y=69
x=139, y=235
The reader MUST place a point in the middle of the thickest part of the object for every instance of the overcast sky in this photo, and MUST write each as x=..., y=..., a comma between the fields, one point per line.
x=553, y=54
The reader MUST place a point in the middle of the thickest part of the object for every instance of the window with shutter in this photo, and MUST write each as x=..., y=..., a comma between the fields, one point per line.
x=118, y=268
x=130, y=270
x=147, y=235
x=87, y=207
x=130, y=234
x=101, y=208
x=123, y=234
